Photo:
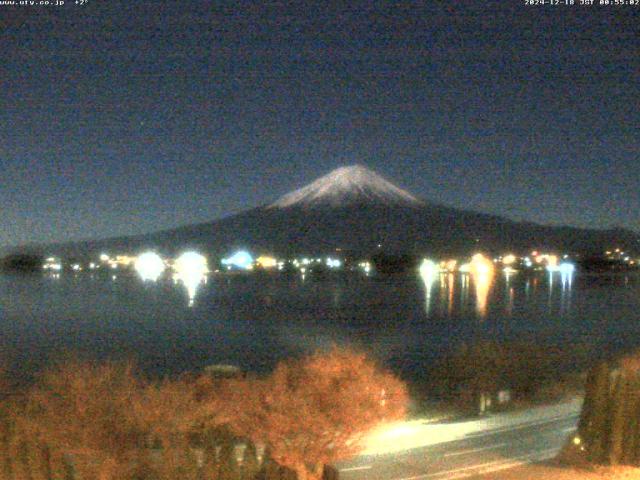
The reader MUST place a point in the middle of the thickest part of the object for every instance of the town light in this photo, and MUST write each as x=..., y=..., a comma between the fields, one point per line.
x=241, y=259
x=365, y=266
x=149, y=266
x=333, y=262
x=52, y=263
x=266, y=261
x=428, y=271
x=191, y=269
x=482, y=271
x=191, y=264
x=509, y=259
x=481, y=265
x=567, y=268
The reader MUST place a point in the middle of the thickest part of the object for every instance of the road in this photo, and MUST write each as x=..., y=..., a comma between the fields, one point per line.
x=466, y=449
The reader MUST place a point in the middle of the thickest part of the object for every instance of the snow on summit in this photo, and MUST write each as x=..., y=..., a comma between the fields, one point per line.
x=347, y=185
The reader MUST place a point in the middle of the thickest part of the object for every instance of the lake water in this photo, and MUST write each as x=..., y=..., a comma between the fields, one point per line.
x=255, y=320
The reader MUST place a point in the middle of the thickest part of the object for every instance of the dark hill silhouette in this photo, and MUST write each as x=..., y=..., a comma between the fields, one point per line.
x=356, y=210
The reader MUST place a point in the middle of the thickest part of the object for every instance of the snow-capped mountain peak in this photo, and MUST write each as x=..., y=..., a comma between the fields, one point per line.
x=346, y=186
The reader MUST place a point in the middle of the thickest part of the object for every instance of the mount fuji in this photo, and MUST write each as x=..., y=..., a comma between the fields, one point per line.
x=354, y=185
x=358, y=211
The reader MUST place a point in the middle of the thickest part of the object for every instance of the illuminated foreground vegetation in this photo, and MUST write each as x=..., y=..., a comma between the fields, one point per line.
x=609, y=430
x=82, y=421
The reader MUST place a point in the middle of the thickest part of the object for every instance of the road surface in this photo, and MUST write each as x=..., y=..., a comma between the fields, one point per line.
x=463, y=450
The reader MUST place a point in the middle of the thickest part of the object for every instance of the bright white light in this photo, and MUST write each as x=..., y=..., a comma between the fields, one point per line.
x=553, y=268
x=567, y=268
x=191, y=264
x=76, y=267
x=191, y=269
x=52, y=263
x=333, y=262
x=149, y=266
x=428, y=271
x=566, y=274
x=241, y=259
x=104, y=257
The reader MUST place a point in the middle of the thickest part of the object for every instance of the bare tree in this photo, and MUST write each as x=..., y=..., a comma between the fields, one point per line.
x=313, y=412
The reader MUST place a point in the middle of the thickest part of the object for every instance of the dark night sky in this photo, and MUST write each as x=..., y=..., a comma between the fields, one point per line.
x=123, y=117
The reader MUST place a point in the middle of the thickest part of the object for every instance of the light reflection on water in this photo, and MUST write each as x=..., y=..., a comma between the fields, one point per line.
x=191, y=281
x=510, y=295
x=190, y=270
x=482, y=282
x=428, y=273
x=407, y=319
x=456, y=286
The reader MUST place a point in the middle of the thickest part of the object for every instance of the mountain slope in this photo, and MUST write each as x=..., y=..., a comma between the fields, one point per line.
x=356, y=210
x=347, y=186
